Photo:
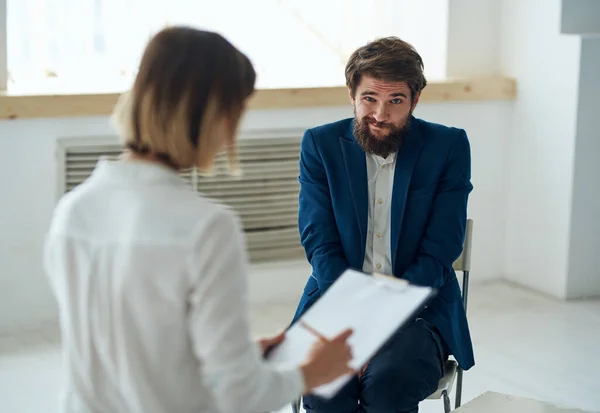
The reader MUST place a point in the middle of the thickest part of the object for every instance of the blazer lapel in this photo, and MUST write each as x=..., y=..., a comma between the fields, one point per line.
x=356, y=170
x=405, y=164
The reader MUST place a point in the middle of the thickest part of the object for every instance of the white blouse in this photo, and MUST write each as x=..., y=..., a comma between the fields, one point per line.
x=151, y=284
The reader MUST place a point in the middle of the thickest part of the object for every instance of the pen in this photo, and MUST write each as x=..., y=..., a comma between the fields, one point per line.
x=313, y=332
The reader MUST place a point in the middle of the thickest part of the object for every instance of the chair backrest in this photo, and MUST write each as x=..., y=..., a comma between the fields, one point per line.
x=463, y=263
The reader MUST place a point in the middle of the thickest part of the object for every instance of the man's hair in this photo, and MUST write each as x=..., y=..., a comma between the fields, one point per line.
x=388, y=59
x=187, y=81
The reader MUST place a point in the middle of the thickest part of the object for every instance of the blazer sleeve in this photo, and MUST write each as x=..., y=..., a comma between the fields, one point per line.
x=444, y=235
x=316, y=221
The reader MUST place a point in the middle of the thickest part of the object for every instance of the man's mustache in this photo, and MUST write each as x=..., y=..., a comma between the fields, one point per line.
x=378, y=124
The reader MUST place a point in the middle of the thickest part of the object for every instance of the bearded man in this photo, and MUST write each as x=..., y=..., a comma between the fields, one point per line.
x=387, y=192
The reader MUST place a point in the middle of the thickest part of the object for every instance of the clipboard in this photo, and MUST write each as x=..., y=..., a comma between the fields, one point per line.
x=375, y=306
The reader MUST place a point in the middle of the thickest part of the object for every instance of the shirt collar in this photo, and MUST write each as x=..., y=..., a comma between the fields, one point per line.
x=384, y=161
x=136, y=171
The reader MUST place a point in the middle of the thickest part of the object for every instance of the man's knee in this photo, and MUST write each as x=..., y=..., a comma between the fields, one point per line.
x=406, y=372
x=396, y=389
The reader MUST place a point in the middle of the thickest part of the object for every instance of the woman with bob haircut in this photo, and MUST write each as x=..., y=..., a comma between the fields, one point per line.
x=150, y=277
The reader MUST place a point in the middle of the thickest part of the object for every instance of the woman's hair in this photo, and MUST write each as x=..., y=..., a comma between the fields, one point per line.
x=389, y=59
x=188, y=82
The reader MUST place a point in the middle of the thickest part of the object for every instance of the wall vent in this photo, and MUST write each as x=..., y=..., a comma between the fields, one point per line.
x=266, y=196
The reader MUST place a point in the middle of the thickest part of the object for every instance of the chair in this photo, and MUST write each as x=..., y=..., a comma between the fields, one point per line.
x=452, y=370
x=463, y=264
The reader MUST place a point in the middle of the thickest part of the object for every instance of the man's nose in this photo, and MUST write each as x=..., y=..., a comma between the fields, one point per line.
x=380, y=113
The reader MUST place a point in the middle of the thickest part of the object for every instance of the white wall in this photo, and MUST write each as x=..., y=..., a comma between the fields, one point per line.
x=552, y=233
x=584, y=249
x=541, y=148
x=28, y=187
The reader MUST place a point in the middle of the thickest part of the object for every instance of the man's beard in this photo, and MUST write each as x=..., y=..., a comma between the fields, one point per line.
x=379, y=145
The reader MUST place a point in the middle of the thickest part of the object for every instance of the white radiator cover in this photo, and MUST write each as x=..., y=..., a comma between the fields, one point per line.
x=266, y=196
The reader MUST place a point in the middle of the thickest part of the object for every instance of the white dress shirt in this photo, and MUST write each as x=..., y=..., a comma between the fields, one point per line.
x=378, y=251
x=151, y=284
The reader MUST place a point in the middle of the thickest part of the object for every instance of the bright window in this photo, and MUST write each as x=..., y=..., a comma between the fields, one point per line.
x=86, y=45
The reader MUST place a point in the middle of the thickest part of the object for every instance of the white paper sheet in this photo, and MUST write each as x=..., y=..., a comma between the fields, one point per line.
x=373, y=306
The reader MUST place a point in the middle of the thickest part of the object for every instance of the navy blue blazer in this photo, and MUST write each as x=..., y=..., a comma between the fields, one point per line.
x=432, y=182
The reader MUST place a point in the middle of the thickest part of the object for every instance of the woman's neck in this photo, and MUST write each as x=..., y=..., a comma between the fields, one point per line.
x=129, y=156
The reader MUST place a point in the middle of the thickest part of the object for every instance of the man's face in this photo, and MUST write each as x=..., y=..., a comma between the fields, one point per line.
x=382, y=110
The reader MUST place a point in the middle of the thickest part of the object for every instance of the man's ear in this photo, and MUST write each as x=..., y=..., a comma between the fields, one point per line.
x=414, y=104
x=351, y=95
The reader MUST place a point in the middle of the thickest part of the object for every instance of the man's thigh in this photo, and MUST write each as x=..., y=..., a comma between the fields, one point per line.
x=405, y=371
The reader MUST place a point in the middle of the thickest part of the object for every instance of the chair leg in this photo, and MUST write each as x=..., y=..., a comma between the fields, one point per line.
x=447, y=407
x=296, y=405
x=459, y=380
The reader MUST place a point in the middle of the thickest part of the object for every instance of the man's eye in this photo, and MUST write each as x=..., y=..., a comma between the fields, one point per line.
x=396, y=101
x=369, y=99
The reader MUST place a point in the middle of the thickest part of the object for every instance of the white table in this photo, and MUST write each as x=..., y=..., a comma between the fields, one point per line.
x=491, y=402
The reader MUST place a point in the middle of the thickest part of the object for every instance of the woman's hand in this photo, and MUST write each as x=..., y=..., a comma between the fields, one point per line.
x=327, y=360
x=266, y=344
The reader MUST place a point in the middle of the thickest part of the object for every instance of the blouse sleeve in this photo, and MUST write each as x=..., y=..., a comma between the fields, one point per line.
x=230, y=361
